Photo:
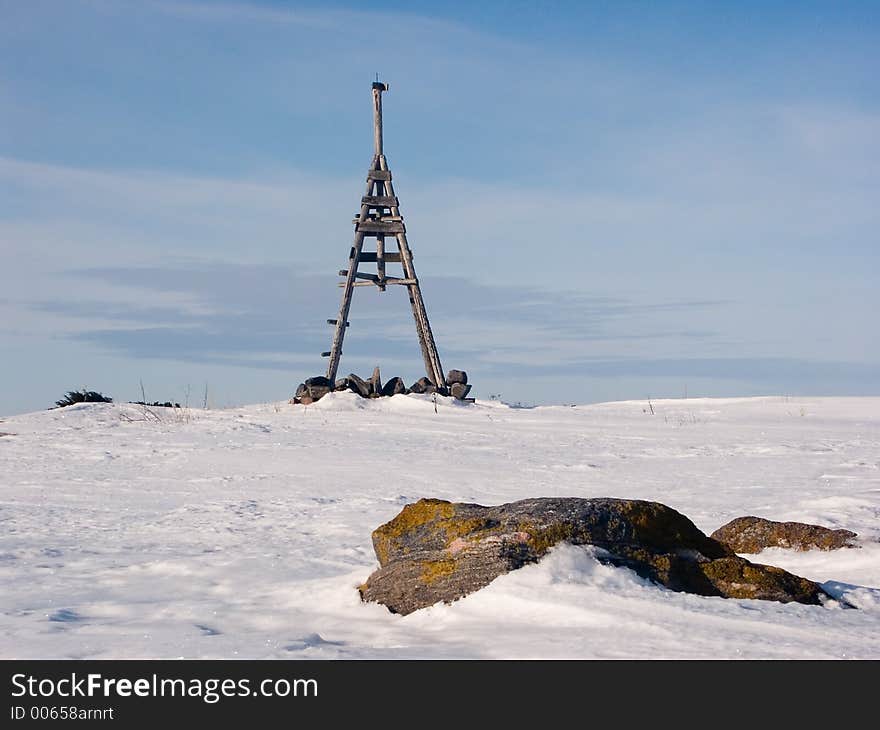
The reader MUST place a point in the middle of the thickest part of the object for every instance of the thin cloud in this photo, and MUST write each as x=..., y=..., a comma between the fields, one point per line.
x=245, y=309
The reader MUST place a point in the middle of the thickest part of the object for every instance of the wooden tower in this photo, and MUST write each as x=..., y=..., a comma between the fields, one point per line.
x=380, y=218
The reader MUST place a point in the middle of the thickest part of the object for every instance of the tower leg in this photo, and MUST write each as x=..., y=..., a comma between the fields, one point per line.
x=426, y=337
x=342, y=319
x=433, y=368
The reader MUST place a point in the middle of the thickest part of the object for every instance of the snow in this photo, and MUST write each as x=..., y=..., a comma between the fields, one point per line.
x=244, y=532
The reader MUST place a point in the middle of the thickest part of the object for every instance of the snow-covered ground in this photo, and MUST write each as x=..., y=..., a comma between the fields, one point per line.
x=243, y=533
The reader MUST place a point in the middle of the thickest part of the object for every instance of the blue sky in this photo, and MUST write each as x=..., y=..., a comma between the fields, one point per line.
x=605, y=200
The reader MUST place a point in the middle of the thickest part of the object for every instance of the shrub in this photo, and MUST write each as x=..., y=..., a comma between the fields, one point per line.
x=82, y=396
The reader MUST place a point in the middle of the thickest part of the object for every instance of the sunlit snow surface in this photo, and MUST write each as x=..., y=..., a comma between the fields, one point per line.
x=244, y=533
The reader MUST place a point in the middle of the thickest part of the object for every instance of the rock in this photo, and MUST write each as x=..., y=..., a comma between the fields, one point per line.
x=358, y=385
x=354, y=384
x=753, y=534
x=456, y=376
x=393, y=387
x=460, y=390
x=313, y=389
x=301, y=392
x=319, y=381
x=375, y=383
x=436, y=550
x=423, y=385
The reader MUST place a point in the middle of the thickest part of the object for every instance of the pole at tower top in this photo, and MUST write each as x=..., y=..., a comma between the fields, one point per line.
x=378, y=88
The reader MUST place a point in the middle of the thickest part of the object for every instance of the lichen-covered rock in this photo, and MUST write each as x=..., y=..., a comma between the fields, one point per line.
x=753, y=534
x=735, y=577
x=436, y=550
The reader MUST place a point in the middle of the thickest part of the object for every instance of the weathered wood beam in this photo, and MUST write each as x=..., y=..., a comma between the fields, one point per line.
x=382, y=219
x=380, y=227
x=379, y=175
x=389, y=280
x=370, y=257
x=378, y=88
x=380, y=261
x=380, y=201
